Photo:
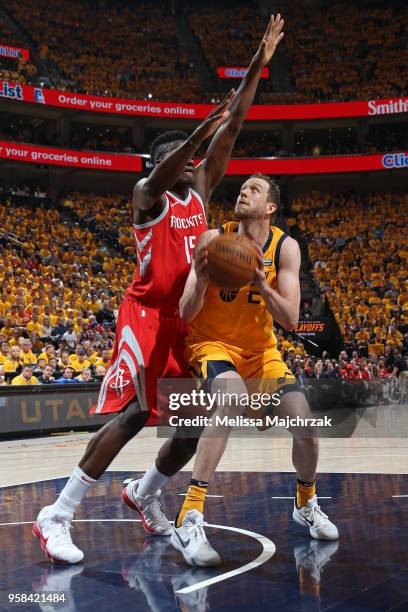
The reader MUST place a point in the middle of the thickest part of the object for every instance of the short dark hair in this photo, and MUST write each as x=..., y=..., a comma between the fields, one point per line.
x=274, y=189
x=161, y=142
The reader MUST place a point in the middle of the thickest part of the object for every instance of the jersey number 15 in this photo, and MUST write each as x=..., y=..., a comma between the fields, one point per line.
x=189, y=244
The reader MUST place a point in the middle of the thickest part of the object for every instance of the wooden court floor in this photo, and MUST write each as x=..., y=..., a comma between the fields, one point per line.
x=42, y=458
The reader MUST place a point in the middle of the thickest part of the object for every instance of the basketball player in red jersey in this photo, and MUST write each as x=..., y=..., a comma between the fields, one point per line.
x=168, y=216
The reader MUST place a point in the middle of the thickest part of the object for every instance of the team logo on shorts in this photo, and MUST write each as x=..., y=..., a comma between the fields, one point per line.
x=117, y=381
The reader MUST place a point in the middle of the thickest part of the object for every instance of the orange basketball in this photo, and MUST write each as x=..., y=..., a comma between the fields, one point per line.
x=231, y=261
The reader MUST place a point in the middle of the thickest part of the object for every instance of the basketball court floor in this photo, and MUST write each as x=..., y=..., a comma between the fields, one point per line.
x=269, y=562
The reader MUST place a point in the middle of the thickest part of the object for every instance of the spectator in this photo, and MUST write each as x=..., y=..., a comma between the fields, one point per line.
x=46, y=330
x=104, y=359
x=105, y=314
x=5, y=352
x=26, y=354
x=47, y=376
x=401, y=371
x=60, y=328
x=70, y=336
x=64, y=360
x=39, y=367
x=100, y=372
x=79, y=363
x=14, y=362
x=67, y=376
x=26, y=377
x=85, y=376
x=54, y=364
x=2, y=377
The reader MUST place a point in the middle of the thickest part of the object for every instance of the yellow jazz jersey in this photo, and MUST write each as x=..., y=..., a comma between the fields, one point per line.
x=240, y=318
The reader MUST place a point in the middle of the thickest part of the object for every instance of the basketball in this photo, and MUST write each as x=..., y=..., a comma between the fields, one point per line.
x=231, y=261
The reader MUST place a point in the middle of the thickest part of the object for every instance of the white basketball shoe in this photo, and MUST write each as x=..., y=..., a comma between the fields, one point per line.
x=53, y=531
x=191, y=541
x=313, y=518
x=153, y=518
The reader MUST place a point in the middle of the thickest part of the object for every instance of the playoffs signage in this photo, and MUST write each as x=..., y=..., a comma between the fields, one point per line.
x=315, y=329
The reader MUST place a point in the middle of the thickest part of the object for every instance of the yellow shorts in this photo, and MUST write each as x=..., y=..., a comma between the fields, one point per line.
x=210, y=358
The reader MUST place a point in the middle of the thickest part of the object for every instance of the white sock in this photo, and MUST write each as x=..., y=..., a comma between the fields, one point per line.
x=152, y=481
x=73, y=492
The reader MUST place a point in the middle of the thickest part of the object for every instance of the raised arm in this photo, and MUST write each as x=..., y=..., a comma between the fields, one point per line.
x=213, y=167
x=284, y=301
x=191, y=302
x=165, y=174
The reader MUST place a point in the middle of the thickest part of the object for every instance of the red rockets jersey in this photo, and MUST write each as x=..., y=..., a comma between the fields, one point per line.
x=164, y=249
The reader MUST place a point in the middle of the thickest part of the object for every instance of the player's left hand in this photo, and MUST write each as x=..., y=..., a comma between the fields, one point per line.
x=259, y=278
x=271, y=39
x=201, y=264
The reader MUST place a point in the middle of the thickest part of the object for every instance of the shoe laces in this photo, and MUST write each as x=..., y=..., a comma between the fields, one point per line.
x=65, y=527
x=196, y=524
x=315, y=514
x=152, y=510
x=155, y=508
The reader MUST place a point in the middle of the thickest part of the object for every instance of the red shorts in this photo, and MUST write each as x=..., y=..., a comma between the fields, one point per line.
x=148, y=346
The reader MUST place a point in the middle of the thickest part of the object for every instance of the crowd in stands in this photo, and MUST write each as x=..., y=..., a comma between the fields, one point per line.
x=333, y=56
x=358, y=248
x=376, y=378
x=60, y=291
x=116, y=49
x=228, y=36
x=111, y=48
x=380, y=138
x=16, y=70
x=60, y=287
x=88, y=138
x=360, y=54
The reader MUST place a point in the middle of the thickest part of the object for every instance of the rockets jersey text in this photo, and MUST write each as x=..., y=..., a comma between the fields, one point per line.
x=164, y=249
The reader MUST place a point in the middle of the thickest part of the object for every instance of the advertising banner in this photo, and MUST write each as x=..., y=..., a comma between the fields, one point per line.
x=48, y=408
x=179, y=110
x=317, y=330
x=319, y=165
x=37, y=154
x=123, y=162
x=14, y=52
x=238, y=72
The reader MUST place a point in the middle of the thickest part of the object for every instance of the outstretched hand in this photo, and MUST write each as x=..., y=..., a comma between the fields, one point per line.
x=271, y=39
x=217, y=117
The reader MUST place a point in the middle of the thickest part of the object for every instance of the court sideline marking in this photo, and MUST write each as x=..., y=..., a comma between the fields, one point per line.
x=268, y=550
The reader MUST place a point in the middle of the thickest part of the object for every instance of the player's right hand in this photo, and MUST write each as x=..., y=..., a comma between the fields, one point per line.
x=271, y=39
x=217, y=117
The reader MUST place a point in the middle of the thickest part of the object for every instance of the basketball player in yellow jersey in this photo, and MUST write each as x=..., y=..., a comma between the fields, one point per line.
x=232, y=339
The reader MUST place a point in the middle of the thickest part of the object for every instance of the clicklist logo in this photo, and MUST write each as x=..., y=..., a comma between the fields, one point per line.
x=236, y=73
x=395, y=160
x=38, y=95
x=9, y=51
x=14, y=92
